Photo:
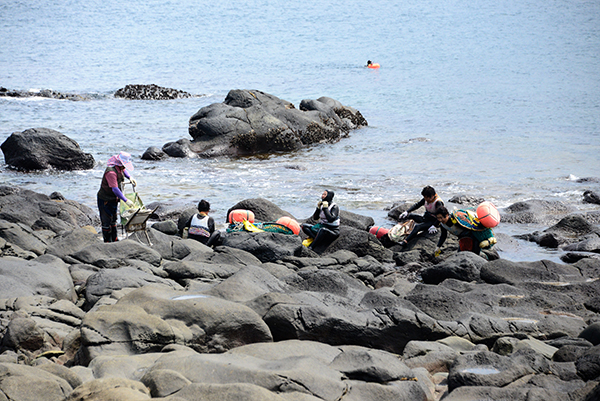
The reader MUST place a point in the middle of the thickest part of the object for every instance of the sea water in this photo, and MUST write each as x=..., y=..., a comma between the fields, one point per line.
x=497, y=100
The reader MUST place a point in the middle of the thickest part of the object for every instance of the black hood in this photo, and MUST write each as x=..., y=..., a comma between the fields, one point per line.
x=329, y=197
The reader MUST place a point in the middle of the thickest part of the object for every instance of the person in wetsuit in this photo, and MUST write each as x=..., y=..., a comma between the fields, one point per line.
x=327, y=229
x=427, y=221
x=118, y=168
x=466, y=239
x=201, y=227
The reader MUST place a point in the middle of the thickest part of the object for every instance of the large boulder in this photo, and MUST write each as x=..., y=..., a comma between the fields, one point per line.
x=263, y=209
x=463, y=266
x=266, y=246
x=254, y=122
x=115, y=254
x=361, y=242
x=44, y=148
x=535, y=211
x=22, y=382
x=151, y=317
x=46, y=275
x=570, y=229
x=40, y=212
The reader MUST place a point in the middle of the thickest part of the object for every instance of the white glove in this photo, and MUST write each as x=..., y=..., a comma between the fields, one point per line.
x=133, y=181
x=432, y=230
x=325, y=204
x=403, y=215
x=319, y=204
x=129, y=203
x=437, y=252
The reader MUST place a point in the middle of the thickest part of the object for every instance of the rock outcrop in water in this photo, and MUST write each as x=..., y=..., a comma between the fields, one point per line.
x=252, y=122
x=47, y=93
x=150, y=92
x=44, y=148
x=264, y=318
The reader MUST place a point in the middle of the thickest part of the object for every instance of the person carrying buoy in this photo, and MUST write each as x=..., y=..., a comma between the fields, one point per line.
x=432, y=203
x=327, y=229
x=201, y=227
x=118, y=168
x=472, y=235
x=370, y=64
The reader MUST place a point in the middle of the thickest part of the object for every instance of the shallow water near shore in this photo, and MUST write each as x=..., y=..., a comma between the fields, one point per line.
x=493, y=100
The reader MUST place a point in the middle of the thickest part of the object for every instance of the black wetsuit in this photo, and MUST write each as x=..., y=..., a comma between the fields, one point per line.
x=425, y=221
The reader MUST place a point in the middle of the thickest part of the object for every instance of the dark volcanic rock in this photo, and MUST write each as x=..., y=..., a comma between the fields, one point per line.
x=40, y=212
x=154, y=153
x=150, y=92
x=570, y=229
x=43, y=148
x=263, y=209
x=591, y=197
x=535, y=211
x=254, y=122
x=181, y=148
x=48, y=93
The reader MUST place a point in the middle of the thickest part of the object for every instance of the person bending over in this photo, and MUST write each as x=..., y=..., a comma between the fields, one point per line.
x=427, y=221
x=111, y=191
x=467, y=241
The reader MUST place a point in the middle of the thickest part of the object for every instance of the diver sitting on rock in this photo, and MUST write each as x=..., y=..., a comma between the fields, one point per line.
x=328, y=228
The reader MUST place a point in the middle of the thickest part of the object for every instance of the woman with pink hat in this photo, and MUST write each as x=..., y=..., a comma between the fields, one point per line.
x=118, y=167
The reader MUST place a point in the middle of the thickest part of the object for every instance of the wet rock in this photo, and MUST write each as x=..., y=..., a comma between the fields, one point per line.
x=154, y=153
x=535, y=211
x=150, y=92
x=181, y=148
x=591, y=197
x=47, y=93
x=254, y=122
x=467, y=200
x=43, y=148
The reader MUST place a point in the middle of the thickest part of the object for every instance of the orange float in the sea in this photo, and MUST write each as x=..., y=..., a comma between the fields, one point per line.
x=488, y=215
x=372, y=65
x=239, y=215
x=289, y=223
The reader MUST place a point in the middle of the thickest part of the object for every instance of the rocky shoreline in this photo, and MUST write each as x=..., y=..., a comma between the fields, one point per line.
x=264, y=318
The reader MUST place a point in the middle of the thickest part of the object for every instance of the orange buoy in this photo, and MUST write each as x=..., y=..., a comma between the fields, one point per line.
x=488, y=215
x=378, y=231
x=374, y=66
x=239, y=215
x=289, y=223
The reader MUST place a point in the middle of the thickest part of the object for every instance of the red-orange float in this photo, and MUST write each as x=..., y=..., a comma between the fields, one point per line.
x=289, y=223
x=239, y=215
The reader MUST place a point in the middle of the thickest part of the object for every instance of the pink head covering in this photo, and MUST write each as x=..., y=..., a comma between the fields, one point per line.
x=122, y=159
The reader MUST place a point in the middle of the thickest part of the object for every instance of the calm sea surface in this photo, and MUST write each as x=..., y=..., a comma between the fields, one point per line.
x=494, y=99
